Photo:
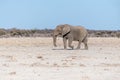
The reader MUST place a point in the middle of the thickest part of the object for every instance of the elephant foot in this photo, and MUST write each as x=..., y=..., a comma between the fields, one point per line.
x=55, y=45
x=78, y=48
x=65, y=48
x=86, y=48
x=71, y=47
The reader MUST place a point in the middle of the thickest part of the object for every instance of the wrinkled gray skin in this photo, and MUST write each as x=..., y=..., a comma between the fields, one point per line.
x=71, y=33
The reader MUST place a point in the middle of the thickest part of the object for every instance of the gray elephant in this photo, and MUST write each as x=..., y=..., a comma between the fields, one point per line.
x=71, y=33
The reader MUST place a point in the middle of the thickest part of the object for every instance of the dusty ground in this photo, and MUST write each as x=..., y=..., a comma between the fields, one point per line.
x=37, y=59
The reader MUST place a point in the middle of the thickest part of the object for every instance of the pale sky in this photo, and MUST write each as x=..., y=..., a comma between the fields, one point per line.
x=41, y=14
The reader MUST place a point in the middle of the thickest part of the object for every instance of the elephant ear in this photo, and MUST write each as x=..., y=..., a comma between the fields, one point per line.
x=66, y=29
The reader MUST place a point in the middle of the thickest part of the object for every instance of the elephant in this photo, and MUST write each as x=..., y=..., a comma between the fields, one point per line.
x=71, y=33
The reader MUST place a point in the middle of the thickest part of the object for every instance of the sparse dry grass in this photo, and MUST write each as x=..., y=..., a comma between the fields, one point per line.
x=25, y=41
x=44, y=41
x=37, y=59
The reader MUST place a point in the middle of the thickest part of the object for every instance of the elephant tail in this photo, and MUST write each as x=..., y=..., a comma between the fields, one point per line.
x=85, y=37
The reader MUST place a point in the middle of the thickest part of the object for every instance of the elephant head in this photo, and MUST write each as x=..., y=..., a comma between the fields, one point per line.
x=61, y=30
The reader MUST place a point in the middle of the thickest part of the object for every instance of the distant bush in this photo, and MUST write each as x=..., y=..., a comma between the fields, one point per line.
x=118, y=34
x=2, y=32
x=102, y=33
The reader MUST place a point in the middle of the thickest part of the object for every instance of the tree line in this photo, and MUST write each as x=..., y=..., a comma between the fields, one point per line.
x=14, y=32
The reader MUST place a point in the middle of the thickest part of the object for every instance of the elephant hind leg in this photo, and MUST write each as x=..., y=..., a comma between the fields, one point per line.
x=65, y=43
x=70, y=43
x=85, y=43
x=79, y=42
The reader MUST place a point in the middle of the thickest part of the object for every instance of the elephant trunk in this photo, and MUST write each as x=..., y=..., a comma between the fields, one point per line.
x=54, y=40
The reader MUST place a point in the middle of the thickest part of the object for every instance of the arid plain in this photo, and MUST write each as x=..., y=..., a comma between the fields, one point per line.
x=37, y=59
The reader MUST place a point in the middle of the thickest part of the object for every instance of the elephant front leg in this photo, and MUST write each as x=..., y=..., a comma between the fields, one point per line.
x=85, y=43
x=70, y=43
x=79, y=42
x=65, y=43
x=86, y=46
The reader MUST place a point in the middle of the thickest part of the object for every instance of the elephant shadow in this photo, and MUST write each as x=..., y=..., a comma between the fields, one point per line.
x=62, y=49
x=68, y=49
